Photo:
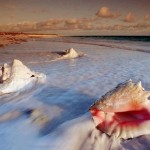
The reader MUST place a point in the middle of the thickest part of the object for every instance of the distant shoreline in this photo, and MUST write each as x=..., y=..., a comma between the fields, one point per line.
x=7, y=38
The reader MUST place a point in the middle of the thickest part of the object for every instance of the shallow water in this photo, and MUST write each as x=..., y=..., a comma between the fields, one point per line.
x=71, y=86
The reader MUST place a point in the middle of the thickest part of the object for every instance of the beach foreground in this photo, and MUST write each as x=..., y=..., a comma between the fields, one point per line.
x=54, y=115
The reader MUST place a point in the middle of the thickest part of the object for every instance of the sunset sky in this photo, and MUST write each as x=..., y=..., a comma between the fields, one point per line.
x=76, y=17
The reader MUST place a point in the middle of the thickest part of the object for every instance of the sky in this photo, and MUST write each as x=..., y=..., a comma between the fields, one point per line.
x=76, y=17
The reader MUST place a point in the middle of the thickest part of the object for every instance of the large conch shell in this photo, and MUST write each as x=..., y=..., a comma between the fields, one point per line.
x=123, y=112
x=16, y=76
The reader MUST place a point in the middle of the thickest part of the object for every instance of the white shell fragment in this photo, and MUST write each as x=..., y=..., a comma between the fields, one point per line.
x=17, y=76
x=123, y=112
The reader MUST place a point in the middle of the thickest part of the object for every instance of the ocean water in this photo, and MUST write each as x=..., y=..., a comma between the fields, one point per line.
x=72, y=85
x=119, y=38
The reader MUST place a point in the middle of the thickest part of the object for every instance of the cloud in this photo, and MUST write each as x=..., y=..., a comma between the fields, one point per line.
x=81, y=23
x=75, y=24
x=147, y=17
x=106, y=13
x=111, y=27
x=19, y=27
x=129, y=18
x=53, y=24
x=142, y=26
x=120, y=27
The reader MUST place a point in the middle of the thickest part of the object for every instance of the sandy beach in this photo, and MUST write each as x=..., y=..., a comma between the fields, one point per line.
x=75, y=75
x=6, y=39
x=17, y=38
x=54, y=115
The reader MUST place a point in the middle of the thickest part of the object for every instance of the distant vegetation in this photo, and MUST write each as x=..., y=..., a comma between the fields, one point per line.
x=18, y=37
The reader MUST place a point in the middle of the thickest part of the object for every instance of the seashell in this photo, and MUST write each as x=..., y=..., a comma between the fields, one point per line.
x=123, y=112
x=19, y=77
x=125, y=97
x=71, y=53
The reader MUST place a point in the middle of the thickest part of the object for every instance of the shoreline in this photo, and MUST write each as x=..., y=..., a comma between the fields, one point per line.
x=17, y=38
x=112, y=45
x=64, y=99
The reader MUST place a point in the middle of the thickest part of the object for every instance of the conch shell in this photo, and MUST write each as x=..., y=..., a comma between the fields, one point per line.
x=16, y=76
x=71, y=53
x=123, y=112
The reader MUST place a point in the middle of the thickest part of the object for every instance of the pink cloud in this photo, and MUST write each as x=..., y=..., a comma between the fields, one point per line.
x=111, y=27
x=53, y=24
x=72, y=25
x=129, y=18
x=19, y=27
x=81, y=23
x=120, y=27
x=147, y=17
x=106, y=13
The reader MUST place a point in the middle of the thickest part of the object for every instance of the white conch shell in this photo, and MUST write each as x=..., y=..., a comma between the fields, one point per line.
x=19, y=77
x=123, y=112
x=71, y=53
